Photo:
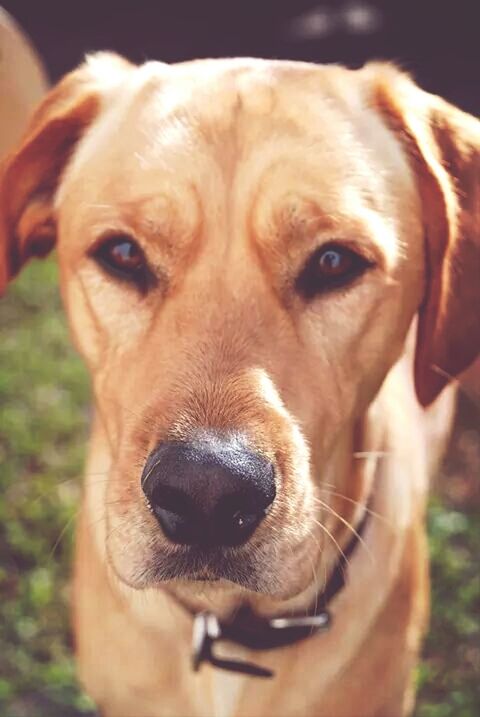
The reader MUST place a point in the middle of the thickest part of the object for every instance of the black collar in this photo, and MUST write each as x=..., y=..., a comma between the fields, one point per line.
x=259, y=633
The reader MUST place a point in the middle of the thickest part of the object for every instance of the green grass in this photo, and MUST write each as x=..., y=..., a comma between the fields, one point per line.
x=43, y=429
x=44, y=412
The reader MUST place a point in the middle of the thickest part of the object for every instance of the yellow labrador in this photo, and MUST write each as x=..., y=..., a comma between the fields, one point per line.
x=247, y=249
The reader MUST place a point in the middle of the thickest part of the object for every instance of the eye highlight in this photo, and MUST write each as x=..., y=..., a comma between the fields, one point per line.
x=329, y=268
x=121, y=256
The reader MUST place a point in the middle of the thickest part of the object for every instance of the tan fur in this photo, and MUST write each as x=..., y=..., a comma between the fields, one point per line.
x=229, y=174
x=22, y=82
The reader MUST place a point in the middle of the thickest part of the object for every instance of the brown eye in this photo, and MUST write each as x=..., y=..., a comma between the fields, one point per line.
x=330, y=267
x=125, y=255
x=122, y=257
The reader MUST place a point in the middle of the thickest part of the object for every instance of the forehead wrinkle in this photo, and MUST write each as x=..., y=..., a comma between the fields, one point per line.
x=146, y=212
x=186, y=131
x=230, y=111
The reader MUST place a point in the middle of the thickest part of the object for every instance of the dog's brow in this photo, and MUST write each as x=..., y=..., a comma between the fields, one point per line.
x=127, y=203
x=152, y=212
x=306, y=225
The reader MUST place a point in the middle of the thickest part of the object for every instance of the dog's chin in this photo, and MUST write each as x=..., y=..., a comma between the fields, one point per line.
x=192, y=573
x=261, y=570
x=202, y=570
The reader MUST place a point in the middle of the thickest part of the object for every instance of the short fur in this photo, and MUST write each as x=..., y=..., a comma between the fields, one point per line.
x=229, y=173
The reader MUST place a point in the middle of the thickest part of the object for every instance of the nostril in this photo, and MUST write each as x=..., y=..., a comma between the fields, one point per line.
x=239, y=527
x=176, y=514
x=169, y=498
x=242, y=520
x=212, y=491
x=236, y=518
x=179, y=528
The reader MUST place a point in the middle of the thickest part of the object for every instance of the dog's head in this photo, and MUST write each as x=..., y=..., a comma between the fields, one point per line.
x=243, y=246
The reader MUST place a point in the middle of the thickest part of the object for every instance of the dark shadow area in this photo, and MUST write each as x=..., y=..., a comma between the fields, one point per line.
x=437, y=41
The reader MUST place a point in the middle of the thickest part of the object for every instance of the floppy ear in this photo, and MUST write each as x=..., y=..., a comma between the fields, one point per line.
x=29, y=176
x=443, y=144
x=23, y=81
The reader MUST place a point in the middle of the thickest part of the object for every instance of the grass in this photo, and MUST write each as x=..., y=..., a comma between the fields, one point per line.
x=44, y=401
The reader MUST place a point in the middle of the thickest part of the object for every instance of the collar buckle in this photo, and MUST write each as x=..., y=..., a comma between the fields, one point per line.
x=208, y=629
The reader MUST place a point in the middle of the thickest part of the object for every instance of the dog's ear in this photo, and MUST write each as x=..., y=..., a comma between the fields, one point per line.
x=443, y=144
x=30, y=174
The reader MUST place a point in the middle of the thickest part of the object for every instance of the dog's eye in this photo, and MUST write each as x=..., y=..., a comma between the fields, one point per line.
x=121, y=256
x=330, y=267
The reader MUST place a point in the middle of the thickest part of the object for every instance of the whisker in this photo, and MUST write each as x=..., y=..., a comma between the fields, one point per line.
x=315, y=578
x=120, y=501
x=350, y=527
x=471, y=395
x=97, y=521
x=335, y=542
x=368, y=454
x=315, y=583
x=62, y=534
x=371, y=512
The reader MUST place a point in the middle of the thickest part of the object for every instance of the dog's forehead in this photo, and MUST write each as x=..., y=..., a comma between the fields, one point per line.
x=245, y=101
x=243, y=96
x=211, y=128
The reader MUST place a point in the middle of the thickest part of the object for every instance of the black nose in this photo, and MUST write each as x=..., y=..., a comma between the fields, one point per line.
x=208, y=491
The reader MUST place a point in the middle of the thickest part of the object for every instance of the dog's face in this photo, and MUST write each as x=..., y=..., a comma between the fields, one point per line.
x=242, y=251
x=276, y=261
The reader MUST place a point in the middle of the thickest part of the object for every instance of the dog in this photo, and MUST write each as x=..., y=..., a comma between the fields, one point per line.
x=271, y=269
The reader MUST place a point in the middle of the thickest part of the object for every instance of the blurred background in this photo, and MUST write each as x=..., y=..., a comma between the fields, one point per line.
x=44, y=394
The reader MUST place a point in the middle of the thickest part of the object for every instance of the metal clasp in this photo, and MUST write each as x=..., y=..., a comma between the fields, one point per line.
x=207, y=630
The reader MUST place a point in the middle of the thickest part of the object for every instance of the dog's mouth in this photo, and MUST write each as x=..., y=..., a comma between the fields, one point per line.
x=206, y=566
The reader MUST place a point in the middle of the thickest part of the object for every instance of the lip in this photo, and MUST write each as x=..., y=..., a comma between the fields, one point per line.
x=205, y=567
